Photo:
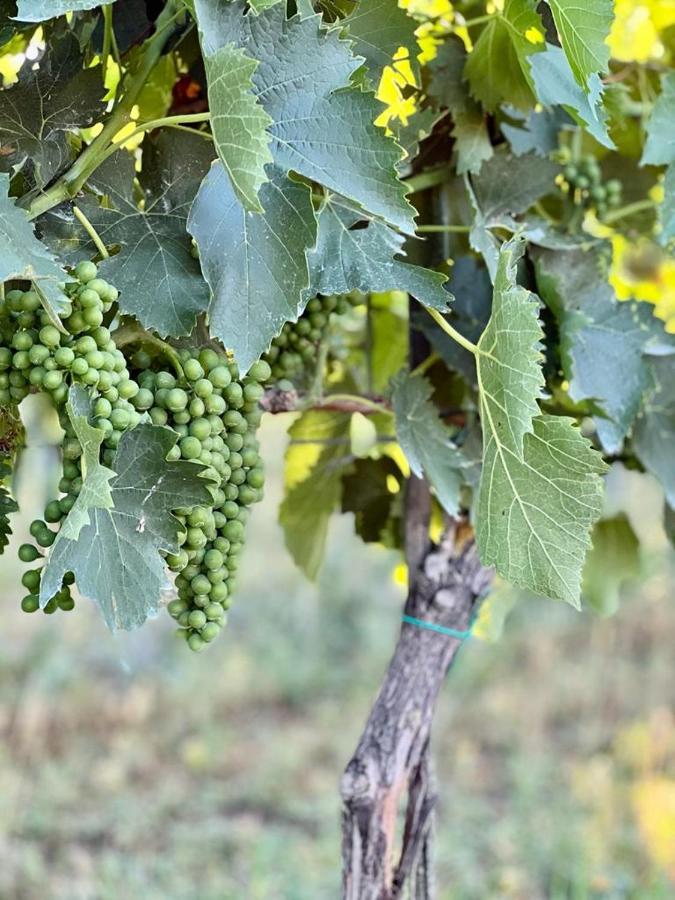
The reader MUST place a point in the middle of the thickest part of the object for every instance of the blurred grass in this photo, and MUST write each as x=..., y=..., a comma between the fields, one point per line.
x=131, y=767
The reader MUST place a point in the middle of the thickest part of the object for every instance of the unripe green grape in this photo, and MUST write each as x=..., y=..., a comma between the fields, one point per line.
x=174, y=454
x=64, y=356
x=193, y=370
x=234, y=530
x=52, y=380
x=219, y=592
x=89, y=299
x=158, y=416
x=261, y=371
x=31, y=579
x=5, y=358
x=66, y=503
x=209, y=359
x=197, y=619
x=79, y=367
x=143, y=399
x=50, y=336
x=190, y=447
x=177, y=608
x=85, y=271
x=66, y=603
x=36, y=376
x=30, y=603
x=176, y=399
x=46, y=538
x=53, y=511
x=103, y=408
x=165, y=380
x=28, y=553
x=215, y=405
x=196, y=642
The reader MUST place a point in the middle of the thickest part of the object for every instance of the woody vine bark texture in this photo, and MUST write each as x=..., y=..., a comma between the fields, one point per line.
x=391, y=763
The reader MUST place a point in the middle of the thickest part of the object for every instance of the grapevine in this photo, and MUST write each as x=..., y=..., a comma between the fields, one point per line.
x=194, y=196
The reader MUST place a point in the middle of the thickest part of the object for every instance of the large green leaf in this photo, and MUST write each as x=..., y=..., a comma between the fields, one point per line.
x=254, y=263
x=238, y=122
x=498, y=68
x=116, y=558
x=654, y=432
x=42, y=10
x=349, y=258
x=602, y=340
x=48, y=102
x=539, y=490
x=472, y=141
x=159, y=281
x=426, y=441
x=584, y=29
x=613, y=560
x=316, y=460
x=535, y=511
x=556, y=86
x=507, y=185
x=23, y=256
x=96, y=492
x=378, y=29
x=508, y=362
x=319, y=129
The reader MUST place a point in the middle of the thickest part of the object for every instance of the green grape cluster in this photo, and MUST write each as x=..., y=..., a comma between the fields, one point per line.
x=36, y=355
x=585, y=182
x=213, y=410
x=295, y=351
x=216, y=415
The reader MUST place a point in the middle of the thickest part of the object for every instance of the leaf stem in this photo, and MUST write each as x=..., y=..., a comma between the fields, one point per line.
x=348, y=400
x=68, y=186
x=450, y=331
x=478, y=20
x=132, y=333
x=425, y=364
x=165, y=122
x=628, y=210
x=453, y=229
x=91, y=231
x=430, y=178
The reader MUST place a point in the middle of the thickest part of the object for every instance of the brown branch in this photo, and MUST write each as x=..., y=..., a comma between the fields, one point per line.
x=391, y=760
x=278, y=401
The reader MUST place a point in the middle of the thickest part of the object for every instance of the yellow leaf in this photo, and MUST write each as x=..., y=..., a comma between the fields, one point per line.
x=654, y=806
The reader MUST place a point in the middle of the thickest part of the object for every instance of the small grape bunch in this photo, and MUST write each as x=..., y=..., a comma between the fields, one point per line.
x=586, y=187
x=294, y=353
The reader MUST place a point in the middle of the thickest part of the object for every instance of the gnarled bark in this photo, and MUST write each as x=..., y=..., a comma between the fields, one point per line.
x=391, y=763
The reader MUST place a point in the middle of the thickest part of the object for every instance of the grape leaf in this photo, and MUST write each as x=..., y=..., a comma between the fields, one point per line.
x=535, y=511
x=660, y=144
x=539, y=492
x=555, y=86
x=366, y=493
x=508, y=362
x=116, y=558
x=96, y=492
x=654, y=432
x=506, y=185
x=425, y=440
x=45, y=104
x=602, y=340
x=498, y=68
x=159, y=281
x=509, y=185
x=537, y=132
x=254, y=263
x=319, y=129
x=313, y=486
x=388, y=337
x=667, y=207
x=583, y=31
x=348, y=258
x=260, y=5
x=660, y=150
x=238, y=122
x=42, y=10
x=22, y=255
x=614, y=559
x=378, y=28
x=472, y=141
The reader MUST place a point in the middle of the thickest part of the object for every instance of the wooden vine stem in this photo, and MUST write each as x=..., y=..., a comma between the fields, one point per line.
x=392, y=764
